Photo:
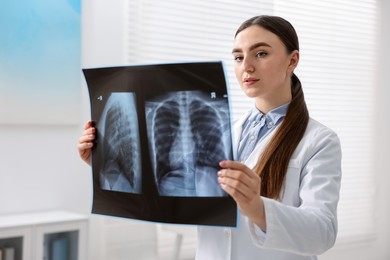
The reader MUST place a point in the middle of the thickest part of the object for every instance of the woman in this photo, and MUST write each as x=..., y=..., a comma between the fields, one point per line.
x=287, y=180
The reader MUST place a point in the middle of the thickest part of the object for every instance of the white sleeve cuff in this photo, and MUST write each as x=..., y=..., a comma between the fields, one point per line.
x=257, y=234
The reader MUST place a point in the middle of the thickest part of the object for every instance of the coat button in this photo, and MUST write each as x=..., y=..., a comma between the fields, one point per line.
x=226, y=232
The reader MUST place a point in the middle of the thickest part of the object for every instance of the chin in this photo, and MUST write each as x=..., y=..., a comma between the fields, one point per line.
x=250, y=93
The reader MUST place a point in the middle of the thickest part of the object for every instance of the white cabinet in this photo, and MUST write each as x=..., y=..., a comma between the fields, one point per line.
x=53, y=235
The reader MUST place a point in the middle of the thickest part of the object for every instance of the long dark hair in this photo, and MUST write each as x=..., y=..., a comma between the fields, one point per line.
x=273, y=162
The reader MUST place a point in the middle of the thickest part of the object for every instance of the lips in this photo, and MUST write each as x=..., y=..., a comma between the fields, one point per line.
x=250, y=81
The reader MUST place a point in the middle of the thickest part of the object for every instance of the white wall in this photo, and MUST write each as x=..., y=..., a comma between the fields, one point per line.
x=103, y=41
x=40, y=170
x=383, y=139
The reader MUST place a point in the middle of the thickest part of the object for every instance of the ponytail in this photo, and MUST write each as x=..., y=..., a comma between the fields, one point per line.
x=273, y=163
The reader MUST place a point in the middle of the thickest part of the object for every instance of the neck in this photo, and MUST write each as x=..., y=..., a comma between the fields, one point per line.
x=265, y=105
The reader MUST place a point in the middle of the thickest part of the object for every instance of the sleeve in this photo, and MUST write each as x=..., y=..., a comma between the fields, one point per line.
x=310, y=228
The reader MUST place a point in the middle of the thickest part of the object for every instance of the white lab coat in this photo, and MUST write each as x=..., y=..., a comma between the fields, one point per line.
x=300, y=226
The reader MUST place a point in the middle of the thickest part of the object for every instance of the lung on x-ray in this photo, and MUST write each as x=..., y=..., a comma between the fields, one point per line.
x=189, y=134
x=120, y=156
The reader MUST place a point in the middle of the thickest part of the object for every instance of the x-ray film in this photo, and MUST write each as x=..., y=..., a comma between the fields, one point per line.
x=161, y=132
x=188, y=133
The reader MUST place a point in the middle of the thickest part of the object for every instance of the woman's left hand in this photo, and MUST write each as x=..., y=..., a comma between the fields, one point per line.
x=243, y=185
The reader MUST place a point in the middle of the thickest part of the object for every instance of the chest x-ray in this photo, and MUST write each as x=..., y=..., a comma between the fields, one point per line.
x=161, y=132
x=121, y=151
x=189, y=134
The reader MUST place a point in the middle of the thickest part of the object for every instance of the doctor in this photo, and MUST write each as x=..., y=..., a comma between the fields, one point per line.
x=287, y=182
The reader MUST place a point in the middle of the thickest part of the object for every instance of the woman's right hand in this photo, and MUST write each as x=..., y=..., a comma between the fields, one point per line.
x=86, y=142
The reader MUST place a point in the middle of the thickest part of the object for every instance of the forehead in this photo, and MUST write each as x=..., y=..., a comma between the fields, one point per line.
x=255, y=34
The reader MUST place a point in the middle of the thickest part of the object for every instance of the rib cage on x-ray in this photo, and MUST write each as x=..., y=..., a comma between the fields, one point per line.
x=189, y=134
x=118, y=128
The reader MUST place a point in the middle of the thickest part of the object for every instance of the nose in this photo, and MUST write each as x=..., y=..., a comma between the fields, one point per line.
x=248, y=65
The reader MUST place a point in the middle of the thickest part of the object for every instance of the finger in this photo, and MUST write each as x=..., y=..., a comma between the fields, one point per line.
x=247, y=189
x=235, y=175
x=235, y=191
x=227, y=164
x=86, y=138
x=232, y=164
x=84, y=146
x=236, y=185
x=252, y=182
x=88, y=125
x=89, y=131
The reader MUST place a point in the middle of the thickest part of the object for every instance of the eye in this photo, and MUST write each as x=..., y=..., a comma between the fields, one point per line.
x=238, y=58
x=261, y=54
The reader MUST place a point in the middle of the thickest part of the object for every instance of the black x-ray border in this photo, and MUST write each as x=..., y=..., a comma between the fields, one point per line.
x=148, y=81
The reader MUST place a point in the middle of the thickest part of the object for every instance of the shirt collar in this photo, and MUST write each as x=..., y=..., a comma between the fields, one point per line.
x=272, y=118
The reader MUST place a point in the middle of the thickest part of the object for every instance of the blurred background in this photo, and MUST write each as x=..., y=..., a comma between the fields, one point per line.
x=44, y=104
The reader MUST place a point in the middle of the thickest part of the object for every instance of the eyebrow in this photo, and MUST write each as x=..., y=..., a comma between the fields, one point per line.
x=254, y=46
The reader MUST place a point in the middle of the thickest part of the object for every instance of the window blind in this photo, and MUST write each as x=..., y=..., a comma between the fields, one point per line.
x=182, y=31
x=338, y=40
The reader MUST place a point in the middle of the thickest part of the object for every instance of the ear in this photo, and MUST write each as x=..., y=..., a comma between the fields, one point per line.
x=294, y=59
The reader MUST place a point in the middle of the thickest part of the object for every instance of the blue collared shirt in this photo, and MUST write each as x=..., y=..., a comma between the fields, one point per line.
x=257, y=126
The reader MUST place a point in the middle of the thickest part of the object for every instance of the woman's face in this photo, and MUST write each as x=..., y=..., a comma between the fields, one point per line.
x=263, y=66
